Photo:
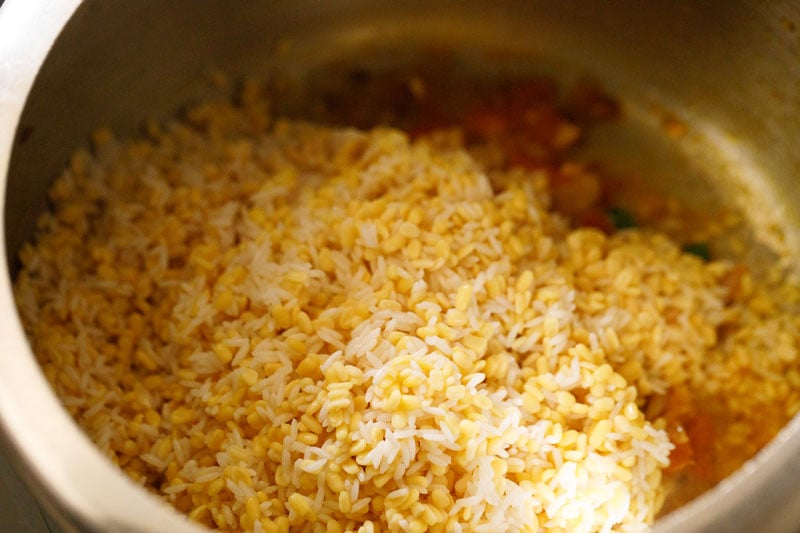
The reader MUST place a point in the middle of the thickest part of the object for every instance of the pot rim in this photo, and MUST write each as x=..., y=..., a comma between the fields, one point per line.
x=69, y=476
x=75, y=482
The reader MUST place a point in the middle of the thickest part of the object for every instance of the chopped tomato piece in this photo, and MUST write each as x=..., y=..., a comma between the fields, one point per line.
x=486, y=123
x=596, y=218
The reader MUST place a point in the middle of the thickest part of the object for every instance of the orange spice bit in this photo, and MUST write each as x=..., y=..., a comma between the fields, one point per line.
x=674, y=127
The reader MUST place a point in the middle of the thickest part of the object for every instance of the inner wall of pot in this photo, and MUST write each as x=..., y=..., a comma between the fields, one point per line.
x=725, y=71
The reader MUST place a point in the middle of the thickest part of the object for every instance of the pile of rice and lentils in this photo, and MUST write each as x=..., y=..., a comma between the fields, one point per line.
x=277, y=325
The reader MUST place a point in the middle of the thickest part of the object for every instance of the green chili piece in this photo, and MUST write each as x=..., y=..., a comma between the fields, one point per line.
x=700, y=249
x=621, y=218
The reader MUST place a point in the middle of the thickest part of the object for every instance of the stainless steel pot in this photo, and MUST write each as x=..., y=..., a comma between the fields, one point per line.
x=730, y=70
